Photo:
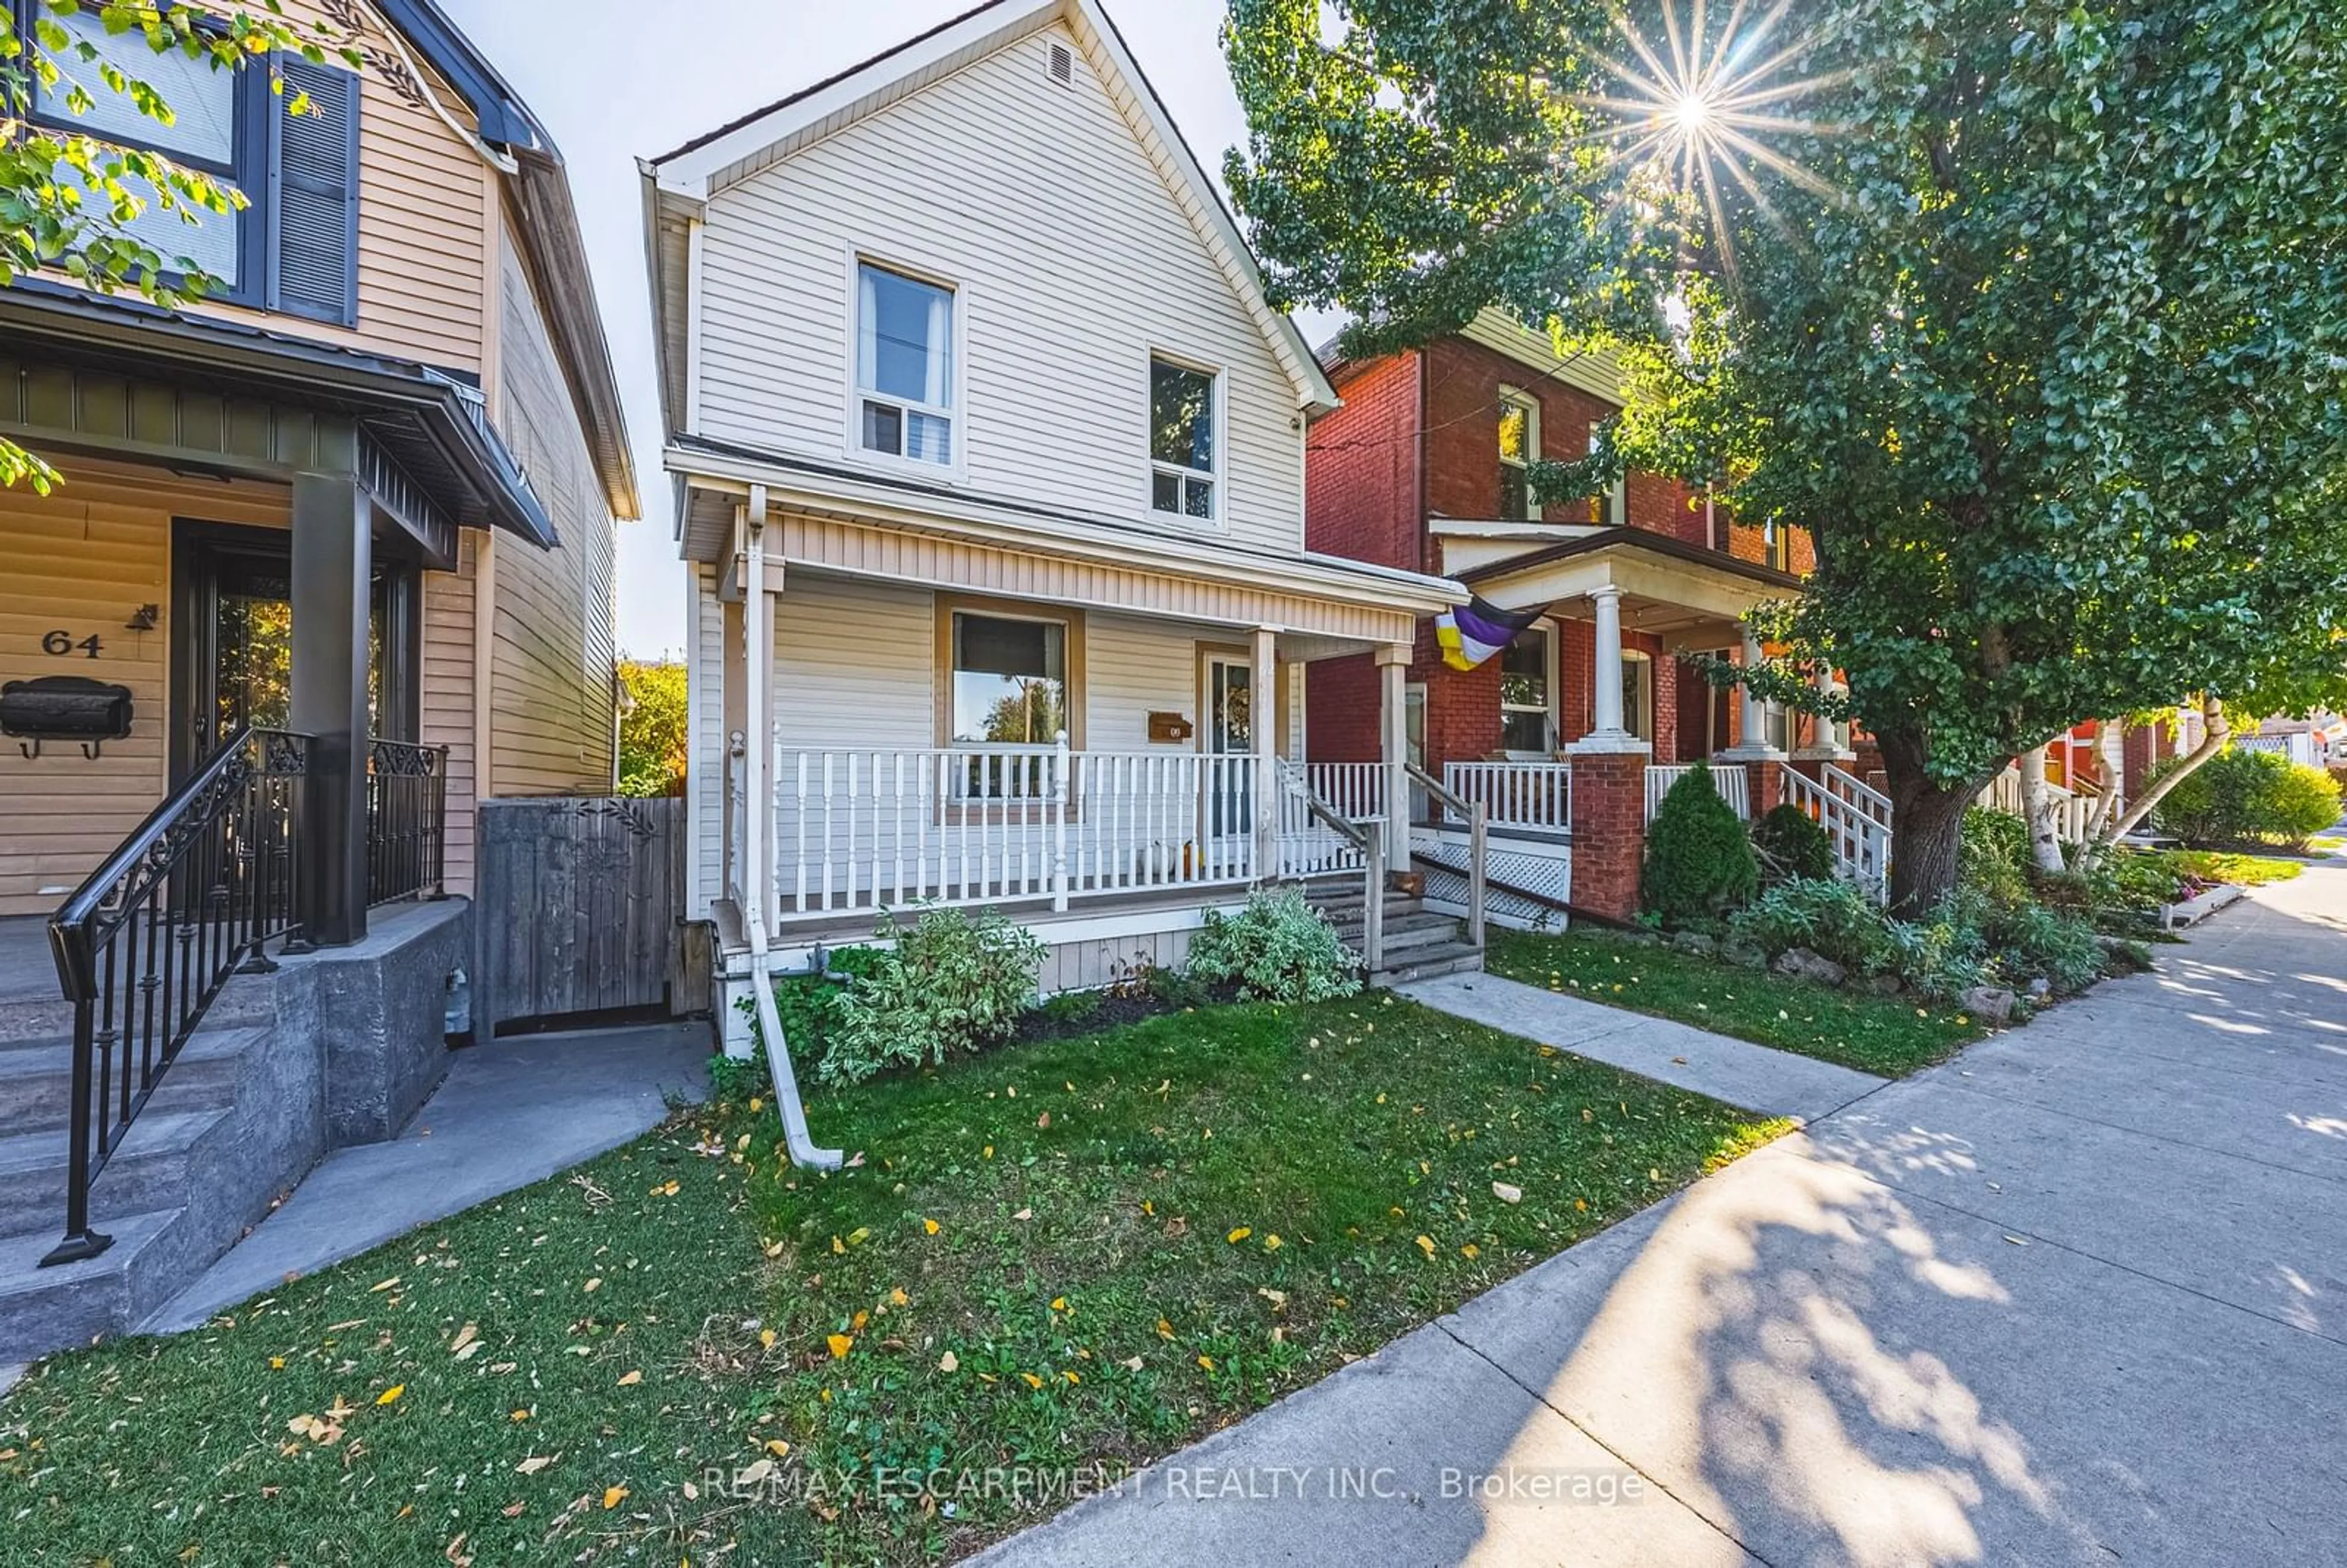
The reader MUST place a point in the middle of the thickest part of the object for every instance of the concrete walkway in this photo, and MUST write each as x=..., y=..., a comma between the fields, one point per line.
x=1774, y=1083
x=509, y=1113
x=2077, y=1297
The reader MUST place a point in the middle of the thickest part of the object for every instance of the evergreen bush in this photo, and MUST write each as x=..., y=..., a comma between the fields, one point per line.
x=1790, y=845
x=1699, y=862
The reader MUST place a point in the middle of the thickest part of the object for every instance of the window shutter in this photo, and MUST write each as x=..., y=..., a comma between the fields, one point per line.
x=314, y=179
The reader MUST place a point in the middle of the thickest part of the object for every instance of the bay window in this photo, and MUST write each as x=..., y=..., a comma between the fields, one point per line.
x=1182, y=449
x=904, y=366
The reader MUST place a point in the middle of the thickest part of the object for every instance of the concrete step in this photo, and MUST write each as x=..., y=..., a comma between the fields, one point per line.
x=43, y=1311
x=36, y=1077
x=1345, y=910
x=148, y=1173
x=1426, y=963
x=1408, y=935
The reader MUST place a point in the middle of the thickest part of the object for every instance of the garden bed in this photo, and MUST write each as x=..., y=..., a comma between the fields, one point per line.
x=1072, y=1257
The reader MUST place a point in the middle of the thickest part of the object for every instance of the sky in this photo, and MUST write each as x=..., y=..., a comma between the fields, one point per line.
x=612, y=83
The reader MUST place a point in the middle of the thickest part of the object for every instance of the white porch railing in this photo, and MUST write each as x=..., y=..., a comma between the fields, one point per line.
x=1733, y=783
x=1309, y=845
x=1356, y=791
x=1515, y=794
x=2073, y=812
x=2299, y=748
x=863, y=830
x=1856, y=818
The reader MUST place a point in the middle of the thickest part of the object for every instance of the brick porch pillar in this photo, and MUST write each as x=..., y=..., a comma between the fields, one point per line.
x=1609, y=784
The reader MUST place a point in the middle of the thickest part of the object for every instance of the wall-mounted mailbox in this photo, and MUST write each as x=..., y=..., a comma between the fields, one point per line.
x=64, y=708
x=1169, y=729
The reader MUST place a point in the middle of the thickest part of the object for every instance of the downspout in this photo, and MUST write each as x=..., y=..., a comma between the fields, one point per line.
x=757, y=881
x=503, y=162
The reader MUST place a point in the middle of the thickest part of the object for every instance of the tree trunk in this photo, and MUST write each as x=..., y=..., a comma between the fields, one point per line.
x=2037, y=808
x=2219, y=730
x=1927, y=823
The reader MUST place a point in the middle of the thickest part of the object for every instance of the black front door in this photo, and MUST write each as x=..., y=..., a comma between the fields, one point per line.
x=232, y=640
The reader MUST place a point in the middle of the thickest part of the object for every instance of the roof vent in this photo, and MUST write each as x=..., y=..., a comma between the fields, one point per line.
x=1063, y=65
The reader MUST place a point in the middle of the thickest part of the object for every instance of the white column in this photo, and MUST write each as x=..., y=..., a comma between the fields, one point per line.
x=1263, y=729
x=1830, y=745
x=1755, y=743
x=1393, y=666
x=1607, y=733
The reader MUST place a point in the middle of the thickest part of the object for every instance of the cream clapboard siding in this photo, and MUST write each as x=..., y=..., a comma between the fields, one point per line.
x=1074, y=262
x=448, y=696
x=427, y=246
x=83, y=561
x=553, y=699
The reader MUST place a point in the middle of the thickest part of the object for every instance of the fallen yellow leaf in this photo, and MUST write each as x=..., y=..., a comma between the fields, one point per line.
x=1207, y=1362
x=1426, y=1245
x=898, y=1298
x=1471, y=1250
x=777, y=1446
x=1059, y=1303
x=859, y=1236
x=756, y=1104
x=840, y=1346
x=930, y=1226
x=766, y=1337
x=1271, y=1243
x=1240, y=1234
x=613, y=1496
x=391, y=1396
x=1071, y=1377
x=1032, y=1380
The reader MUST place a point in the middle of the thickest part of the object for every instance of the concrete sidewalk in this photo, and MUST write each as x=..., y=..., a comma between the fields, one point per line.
x=2077, y=1297
x=510, y=1113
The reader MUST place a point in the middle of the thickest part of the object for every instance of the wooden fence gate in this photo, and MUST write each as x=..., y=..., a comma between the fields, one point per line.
x=577, y=904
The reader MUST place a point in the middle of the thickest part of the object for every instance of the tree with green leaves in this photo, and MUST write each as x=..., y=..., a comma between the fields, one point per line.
x=2032, y=312
x=655, y=733
x=74, y=201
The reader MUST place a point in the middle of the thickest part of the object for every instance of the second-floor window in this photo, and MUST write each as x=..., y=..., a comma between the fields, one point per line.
x=1182, y=450
x=904, y=366
x=1611, y=510
x=292, y=246
x=1519, y=446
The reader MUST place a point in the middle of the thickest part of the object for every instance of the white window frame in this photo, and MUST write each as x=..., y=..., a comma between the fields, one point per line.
x=1616, y=499
x=1217, y=476
x=1553, y=637
x=1517, y=397
x=1633, y=660
x=958, y=416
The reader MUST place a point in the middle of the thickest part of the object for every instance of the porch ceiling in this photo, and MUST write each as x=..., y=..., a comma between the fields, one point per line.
x=1691, y=597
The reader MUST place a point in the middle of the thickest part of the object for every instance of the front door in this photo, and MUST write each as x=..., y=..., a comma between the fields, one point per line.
x=1230, y=731
x=232, y=640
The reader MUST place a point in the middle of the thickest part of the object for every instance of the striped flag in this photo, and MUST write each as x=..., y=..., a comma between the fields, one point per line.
x=1474, y=632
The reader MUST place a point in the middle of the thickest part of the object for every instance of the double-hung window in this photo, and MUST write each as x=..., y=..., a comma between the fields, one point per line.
x=1183, y=448
x=1519, y=448
x=1525, y=689
x=291, y=242
x=904, y=366
x=1638, y=693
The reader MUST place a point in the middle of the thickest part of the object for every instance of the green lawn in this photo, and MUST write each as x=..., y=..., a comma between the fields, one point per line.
x=1080, y=1253
x=1893, y=1036
x=2242, y=870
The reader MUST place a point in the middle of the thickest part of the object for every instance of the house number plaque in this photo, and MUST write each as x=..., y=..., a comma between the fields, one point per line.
x=60, y=644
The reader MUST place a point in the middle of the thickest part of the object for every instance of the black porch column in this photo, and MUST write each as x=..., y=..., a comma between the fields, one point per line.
x=332, y=587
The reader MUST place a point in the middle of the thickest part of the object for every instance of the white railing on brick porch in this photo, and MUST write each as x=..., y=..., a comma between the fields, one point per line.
x=1856, y=819
x=1733, y=781
x=1515, y=794
x=866, y=830
x=1355, y=791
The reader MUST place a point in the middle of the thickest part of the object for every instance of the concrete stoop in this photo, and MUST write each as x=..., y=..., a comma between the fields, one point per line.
x=330, y=1048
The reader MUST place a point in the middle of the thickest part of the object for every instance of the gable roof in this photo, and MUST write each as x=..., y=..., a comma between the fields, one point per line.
x=708, y=163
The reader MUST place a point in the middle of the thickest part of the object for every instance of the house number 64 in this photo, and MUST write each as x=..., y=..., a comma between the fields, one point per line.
x=61, y=645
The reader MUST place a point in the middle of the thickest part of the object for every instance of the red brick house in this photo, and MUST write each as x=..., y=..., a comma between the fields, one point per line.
x=1422, y=469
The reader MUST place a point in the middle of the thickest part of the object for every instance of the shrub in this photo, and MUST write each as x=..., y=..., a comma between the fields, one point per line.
x=2238, y=796
x=1993, y=855
x=1831, y=918
x=2030, y=940
x=954, y=982
x=1699, y=862
x=1277, y=949
x=1791, y=846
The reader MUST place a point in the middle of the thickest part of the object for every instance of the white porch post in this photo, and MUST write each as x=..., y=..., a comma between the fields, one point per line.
x=1607, y=733
x=1393, y=667
x=1755, y=745
x=758, y=749
x=1262, y=732
x=1830, y=744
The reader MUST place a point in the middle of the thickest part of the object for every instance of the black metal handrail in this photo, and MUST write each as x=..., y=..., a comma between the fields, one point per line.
x=407, y=821
x=145, y=944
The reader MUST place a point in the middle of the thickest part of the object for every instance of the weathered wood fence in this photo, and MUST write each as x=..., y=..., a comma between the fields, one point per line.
x=578, y=904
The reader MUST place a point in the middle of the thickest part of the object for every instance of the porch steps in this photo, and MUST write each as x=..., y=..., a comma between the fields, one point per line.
x=1418, y=944
x=201, y=1165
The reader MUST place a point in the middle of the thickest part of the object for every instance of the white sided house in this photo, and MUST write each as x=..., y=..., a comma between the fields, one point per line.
x=989, y=454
